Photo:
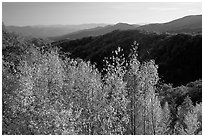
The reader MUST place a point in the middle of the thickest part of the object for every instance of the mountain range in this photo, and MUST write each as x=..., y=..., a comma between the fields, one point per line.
x=43, y=31
x=187, y=24
x=96, y=31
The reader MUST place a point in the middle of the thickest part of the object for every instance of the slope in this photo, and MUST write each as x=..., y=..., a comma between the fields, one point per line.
x=187, y=24
x=179, y=56
x=95, y=31
x=44, y=31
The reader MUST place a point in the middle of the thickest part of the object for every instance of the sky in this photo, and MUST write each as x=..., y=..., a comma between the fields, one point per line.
x=70, y=13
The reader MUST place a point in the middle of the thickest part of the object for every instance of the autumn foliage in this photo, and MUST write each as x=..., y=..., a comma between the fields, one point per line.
x=48, y=94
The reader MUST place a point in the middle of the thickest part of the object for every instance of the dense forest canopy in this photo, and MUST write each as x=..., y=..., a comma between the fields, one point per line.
x=114, y=89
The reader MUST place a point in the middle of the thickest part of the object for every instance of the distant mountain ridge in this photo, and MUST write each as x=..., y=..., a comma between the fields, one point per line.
x=44, y=31
x=187, y=24
x=96, y=31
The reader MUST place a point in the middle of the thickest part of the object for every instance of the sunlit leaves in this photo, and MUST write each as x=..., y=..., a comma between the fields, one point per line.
x=51, y=95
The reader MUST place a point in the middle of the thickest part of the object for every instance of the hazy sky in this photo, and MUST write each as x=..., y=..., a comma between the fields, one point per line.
x=22, y=14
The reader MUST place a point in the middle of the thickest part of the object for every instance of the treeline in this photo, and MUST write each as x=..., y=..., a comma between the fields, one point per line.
x=178, y=56
x=47, y=93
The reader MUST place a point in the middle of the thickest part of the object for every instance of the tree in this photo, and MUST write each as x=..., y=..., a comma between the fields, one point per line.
x=83, y=87
x=166, y=120
x=145, y=108
x=188, y=118
x=114, y=115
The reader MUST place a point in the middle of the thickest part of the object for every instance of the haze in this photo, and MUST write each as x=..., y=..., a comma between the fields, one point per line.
x=23, y=14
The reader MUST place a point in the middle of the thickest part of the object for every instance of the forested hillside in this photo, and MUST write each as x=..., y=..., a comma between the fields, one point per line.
x=45, y=91
x=95, y=31
x=187, y=24
x=178, y=56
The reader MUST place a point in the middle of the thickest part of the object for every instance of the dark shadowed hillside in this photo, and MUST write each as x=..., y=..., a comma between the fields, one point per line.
x=179, y=56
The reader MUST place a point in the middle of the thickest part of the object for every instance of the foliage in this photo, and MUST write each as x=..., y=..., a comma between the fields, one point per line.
x=145, y=109
x=47, y=94
x=189, y=123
